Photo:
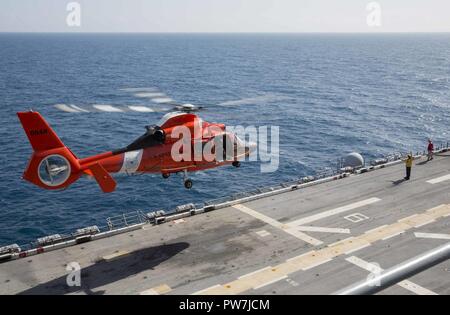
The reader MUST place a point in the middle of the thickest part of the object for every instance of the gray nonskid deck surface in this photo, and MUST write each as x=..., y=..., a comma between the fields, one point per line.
x=247, y=249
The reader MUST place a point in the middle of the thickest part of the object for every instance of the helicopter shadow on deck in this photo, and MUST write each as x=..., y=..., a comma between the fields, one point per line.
x=103, y=272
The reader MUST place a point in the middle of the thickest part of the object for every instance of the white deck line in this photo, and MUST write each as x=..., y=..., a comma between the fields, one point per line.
x=332, y=212
x=317, y=264
x=269, y=282
x=300, y=235
x=439, y=179
x=149, y=292
x=205, y=290
x=424, y=223
x=432, y=235
x=357, y=248
x=254, y=272
x=322, y=229
x=393, y=235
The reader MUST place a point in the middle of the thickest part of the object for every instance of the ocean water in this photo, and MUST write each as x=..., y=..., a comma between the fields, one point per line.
x=329, y=94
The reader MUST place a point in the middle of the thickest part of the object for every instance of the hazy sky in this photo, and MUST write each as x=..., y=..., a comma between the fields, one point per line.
x=225, y=16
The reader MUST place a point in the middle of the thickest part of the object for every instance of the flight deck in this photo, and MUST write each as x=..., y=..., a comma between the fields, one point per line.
x=312, y=239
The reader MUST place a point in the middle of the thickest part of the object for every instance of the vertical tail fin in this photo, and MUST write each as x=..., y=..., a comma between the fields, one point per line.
x=39, y=133
x=53, y=165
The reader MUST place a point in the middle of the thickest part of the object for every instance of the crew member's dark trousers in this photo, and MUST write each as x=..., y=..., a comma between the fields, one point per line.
x=408, y=172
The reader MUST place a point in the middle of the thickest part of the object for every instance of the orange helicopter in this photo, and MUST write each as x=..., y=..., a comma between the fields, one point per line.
x=160, y=150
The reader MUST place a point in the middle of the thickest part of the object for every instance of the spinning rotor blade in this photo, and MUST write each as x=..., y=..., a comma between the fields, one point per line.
x=156, y=101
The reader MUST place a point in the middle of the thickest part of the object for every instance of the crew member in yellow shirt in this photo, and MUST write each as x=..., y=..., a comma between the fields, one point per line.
x=409, y=163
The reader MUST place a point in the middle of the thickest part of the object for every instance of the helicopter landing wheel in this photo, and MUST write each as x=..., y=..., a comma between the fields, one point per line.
x=236, y=164
x=166, y=175
x=188, y=183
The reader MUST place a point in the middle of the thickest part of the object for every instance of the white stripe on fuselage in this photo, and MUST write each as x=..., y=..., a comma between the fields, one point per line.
x=131, y=161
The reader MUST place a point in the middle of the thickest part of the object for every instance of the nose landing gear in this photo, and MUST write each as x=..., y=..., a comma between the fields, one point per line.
x=236, y=164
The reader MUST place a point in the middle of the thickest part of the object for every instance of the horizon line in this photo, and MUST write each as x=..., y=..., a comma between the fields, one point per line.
x=257, y=32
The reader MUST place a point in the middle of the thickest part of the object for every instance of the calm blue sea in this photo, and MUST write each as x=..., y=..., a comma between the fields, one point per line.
x=330, y=95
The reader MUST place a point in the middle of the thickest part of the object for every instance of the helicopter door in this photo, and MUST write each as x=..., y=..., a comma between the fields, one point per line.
x=227, y=144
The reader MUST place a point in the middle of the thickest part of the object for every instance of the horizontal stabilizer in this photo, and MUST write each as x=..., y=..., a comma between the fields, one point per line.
x=104, y=180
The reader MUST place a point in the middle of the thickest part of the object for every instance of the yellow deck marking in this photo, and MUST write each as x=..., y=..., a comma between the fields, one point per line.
x=263, y=233
x=348, y=245
x=439, y=211
x=418, y=220
x=316, y=257
x=270, y=282
x=255, y=272
x=210, y=289
x=385, y=232
x=115, y=255
x=162, y=289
